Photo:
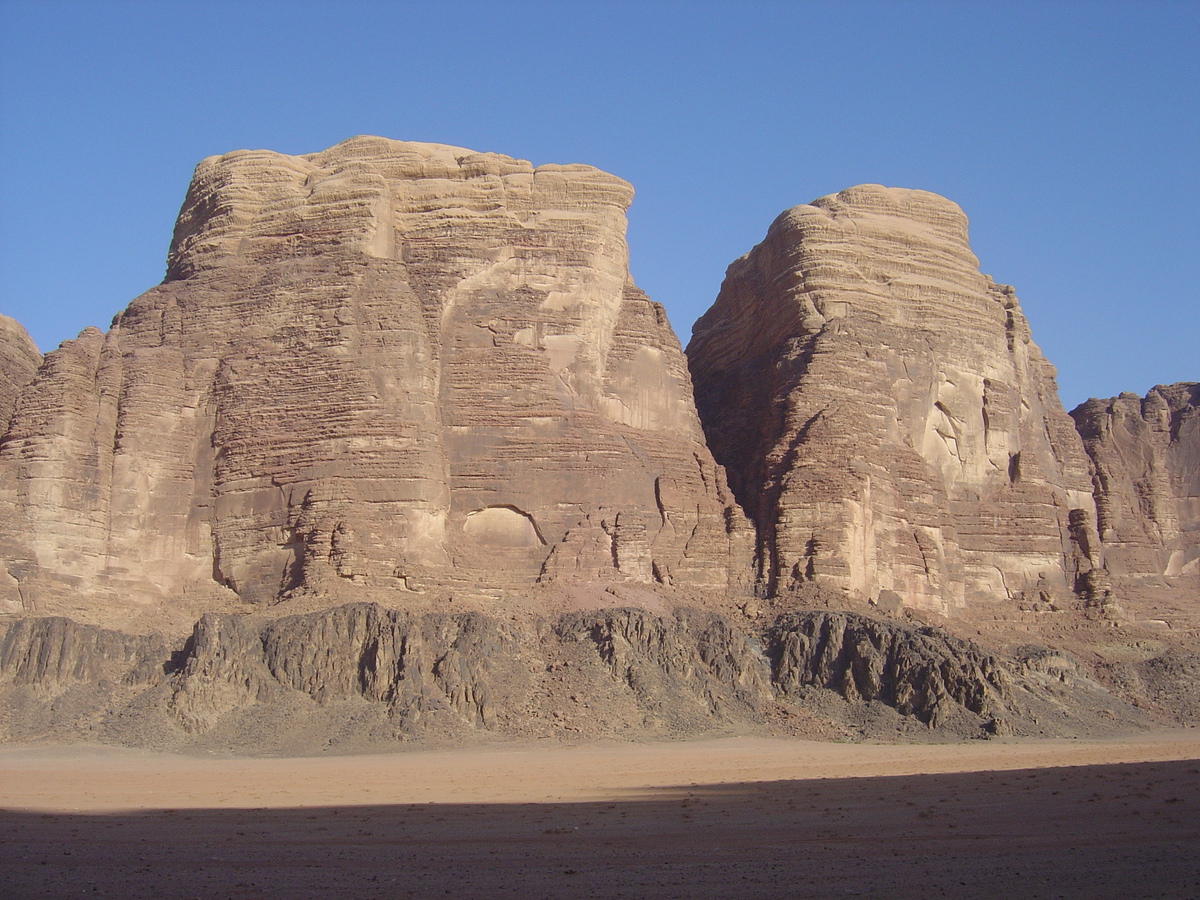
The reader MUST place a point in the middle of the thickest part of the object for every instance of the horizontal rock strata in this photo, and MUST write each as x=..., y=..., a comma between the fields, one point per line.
x=373, y=370
x=410, y=393
x=19, y=361
x=884, y=416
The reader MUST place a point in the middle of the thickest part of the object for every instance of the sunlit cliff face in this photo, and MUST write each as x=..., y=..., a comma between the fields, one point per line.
x=377, y=368
x=886, y=419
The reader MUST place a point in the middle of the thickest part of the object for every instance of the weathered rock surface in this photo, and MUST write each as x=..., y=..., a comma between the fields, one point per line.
x=453, y=674
x=1145, y=454
x=415, y=665
x=365, y=677
x=691, y=667
x=884, y=416
x=920, y=672
x=19, y=361
x=55, y=653
x=369, y=371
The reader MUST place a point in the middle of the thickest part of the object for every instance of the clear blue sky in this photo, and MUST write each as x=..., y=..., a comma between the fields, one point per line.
x=1068, y=131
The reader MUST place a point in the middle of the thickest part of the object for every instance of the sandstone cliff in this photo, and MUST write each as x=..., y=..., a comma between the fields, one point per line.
x=1145, y=453
x=884, y=416
x=370, y=371
x=19, y=361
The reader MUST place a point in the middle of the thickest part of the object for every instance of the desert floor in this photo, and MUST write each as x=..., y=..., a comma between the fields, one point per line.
x=729, y=818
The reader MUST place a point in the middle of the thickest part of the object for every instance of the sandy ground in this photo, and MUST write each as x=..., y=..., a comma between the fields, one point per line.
x=730, y=818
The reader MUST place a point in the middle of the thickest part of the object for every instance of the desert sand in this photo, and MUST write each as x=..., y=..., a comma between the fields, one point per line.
x=725, y=818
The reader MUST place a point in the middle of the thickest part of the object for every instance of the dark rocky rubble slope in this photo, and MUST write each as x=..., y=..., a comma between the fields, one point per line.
x=361, y=677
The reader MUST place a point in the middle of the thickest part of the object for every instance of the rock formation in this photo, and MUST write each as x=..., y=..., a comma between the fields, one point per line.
x=401, y=437
x=361, y=676
x=19, y=361
x=884, y=417
x=921, y=672
x=369, y=371
x=1145, y=454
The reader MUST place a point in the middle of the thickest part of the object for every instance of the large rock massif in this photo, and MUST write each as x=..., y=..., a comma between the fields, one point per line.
x=384, y=368
x=885, y=418
x=400, y=437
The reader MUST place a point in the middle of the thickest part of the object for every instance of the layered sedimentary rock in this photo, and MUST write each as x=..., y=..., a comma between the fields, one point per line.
x=19, y=361
x=883, y=414
x=1145, y=454
x=381, y=367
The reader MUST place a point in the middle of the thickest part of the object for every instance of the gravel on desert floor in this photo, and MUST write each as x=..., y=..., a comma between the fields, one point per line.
x=727, y=818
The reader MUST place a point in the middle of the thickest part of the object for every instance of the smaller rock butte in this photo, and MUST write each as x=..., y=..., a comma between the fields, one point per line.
x=886, y=420
x=1145, y=454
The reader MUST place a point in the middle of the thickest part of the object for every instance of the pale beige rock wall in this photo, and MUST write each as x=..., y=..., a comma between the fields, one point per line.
x=883, y=414
x=19, y=361
x=379, y=368
x=1145, y=453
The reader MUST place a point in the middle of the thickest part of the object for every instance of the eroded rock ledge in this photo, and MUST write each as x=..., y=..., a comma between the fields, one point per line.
x=364, y=677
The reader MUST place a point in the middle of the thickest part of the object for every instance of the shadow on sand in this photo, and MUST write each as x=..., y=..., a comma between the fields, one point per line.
x=1119, y=831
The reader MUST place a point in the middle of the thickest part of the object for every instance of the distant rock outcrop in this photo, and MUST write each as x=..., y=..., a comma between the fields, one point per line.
x=380, y=368
x=883, y=415
x=19, y=361
x=1145, y=454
